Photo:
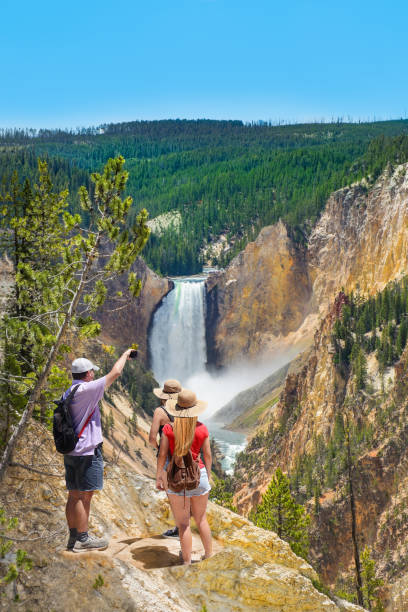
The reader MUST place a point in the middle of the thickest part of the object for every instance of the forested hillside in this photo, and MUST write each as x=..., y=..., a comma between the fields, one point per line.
x=224, y=177
x=377, y=326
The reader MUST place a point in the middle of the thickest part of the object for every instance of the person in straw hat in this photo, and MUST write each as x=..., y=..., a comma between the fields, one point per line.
x=188, y=433
x=171, y=389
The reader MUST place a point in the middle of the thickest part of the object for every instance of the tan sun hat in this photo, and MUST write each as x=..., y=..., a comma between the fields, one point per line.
x=170, y=390
x=186, y=405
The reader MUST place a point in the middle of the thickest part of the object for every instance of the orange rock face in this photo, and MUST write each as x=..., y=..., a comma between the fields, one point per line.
x=271, y=291
x=361, y=240
x=264, y=292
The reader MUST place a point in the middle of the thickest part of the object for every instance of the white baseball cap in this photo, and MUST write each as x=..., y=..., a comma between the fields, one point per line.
x=81, y=365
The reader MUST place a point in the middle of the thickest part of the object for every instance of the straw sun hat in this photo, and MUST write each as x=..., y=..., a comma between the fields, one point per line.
x=186, y=405
x=171, y=389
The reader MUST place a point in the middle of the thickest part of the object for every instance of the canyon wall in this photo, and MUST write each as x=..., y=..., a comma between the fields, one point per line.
x=271, y=295
x=307, y=411
x=308, y=407
x=359, y=244
x=262, y=296
x=361, y=239
x=121, y=327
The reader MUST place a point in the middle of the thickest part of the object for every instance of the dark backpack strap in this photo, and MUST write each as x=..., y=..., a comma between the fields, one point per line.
x=69, y=398
x=170, y=416
x=74, y=390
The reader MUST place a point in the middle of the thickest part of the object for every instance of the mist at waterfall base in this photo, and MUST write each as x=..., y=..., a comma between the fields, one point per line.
x=178, y=350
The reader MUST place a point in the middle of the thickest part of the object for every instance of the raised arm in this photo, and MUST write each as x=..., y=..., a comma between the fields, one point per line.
x=207, y=457
x=116, y=371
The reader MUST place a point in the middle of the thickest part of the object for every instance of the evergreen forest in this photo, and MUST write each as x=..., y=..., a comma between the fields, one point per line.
x=223, y=178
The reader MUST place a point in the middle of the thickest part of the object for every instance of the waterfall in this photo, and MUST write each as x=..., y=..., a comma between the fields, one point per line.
x=178, y=350
x=177, y=338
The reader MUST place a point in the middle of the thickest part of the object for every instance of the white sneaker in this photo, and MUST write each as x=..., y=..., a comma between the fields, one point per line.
x=91, y=543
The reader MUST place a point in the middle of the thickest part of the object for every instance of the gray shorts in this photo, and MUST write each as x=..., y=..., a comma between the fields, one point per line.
x=203, y=488
x=84, y=473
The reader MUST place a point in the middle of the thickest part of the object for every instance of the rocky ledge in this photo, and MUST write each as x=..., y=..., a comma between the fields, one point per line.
x=252, y=569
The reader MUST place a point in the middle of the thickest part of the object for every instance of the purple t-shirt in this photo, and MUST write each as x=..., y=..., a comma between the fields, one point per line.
x=85, y=400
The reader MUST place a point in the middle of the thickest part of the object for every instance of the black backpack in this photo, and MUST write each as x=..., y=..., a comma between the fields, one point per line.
x=63, y=430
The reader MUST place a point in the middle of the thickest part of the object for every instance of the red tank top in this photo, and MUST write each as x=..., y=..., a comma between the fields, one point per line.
x=201, y=433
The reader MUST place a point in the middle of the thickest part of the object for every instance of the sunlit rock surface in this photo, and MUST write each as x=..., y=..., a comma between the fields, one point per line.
x=252, y=569
x=263, y=293
x=361, y=239
x=270, y=296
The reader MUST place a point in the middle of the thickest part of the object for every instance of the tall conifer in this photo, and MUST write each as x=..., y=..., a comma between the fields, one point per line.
x=279, y=512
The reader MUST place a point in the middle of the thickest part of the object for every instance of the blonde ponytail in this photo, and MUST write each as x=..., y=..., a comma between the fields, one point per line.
x=184, y=429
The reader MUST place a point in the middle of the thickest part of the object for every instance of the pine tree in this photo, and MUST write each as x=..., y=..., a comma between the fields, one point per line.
x=359, y=366
x=14, y=563
x=371, y=584
x=62, y=281
x=33, y=235
x=401, y=337
x=279, y=512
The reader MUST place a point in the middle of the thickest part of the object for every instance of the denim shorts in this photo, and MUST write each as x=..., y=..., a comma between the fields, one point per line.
x=203, y=488
x=84, y=473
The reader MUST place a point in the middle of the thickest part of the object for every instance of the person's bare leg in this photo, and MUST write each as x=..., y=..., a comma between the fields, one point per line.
x=77, y=509
x=199, y=508
x=165, y=486
x=86, y=500
x=180, y=507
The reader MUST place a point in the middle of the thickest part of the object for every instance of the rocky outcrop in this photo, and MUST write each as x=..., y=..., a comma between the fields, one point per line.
x=252, y=569
x=270, y=296
x=262, y=295
x=128, y=324
x=361, y=239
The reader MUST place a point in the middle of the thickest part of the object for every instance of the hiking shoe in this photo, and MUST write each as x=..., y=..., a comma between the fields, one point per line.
x=71, y=542
x=171, y=533
x=91, y=543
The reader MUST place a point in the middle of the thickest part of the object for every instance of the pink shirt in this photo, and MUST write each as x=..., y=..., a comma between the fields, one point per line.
x=86, y=399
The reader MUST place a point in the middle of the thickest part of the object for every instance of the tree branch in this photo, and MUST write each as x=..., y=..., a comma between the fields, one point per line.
x=28, y=467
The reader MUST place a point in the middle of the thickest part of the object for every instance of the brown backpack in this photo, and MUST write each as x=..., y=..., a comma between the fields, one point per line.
x=183, y=473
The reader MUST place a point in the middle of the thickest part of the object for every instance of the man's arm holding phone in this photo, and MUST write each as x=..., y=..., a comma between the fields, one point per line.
x=117, y=369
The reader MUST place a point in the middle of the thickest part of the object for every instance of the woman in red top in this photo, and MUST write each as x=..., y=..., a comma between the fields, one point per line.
x=188, y=433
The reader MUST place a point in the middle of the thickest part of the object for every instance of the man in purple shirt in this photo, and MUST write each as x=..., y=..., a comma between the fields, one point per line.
x=84, y=465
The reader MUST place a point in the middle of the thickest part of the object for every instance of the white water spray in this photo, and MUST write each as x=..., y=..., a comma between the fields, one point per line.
x=178, y=349
x=177, y=339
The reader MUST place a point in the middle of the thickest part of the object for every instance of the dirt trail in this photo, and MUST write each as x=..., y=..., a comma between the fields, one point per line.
x=146, y=553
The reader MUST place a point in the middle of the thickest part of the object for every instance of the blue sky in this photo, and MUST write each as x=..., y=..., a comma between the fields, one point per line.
x=79, y=63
